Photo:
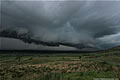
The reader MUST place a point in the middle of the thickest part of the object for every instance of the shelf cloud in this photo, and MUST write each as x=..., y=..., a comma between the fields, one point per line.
x=79, y=24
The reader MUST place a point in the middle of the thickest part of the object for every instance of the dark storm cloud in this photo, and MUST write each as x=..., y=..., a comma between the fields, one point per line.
x=16, y=44
x=73, y=23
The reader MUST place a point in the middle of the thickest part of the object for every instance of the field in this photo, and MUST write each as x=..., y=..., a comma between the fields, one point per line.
x=70, y=66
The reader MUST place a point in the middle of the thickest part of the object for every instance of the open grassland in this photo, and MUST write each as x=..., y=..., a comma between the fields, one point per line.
x=19, y=66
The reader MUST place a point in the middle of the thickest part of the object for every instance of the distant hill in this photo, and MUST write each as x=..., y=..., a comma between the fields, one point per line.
x=114, y=49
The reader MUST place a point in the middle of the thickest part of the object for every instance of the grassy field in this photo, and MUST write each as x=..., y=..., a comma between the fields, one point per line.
x=19, y=66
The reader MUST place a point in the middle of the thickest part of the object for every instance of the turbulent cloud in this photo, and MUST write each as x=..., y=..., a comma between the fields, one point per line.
x=79, y=24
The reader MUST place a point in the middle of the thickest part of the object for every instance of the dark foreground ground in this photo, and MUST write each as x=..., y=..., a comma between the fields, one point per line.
x=70, y=66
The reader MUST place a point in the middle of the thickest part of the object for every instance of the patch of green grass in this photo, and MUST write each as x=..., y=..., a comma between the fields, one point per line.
x=59, y=66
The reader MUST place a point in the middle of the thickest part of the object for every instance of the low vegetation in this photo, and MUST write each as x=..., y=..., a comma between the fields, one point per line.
x=105, y=64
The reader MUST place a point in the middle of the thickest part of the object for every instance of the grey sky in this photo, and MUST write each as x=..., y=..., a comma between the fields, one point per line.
x=79, y=24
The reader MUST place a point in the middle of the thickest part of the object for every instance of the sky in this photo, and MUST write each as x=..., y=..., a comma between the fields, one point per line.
x=59, y=24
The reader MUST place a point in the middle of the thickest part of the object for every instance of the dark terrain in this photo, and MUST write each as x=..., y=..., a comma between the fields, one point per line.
x=35, y=65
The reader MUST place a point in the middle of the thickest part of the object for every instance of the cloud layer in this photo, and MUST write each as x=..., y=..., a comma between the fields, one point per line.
x=79, y=24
